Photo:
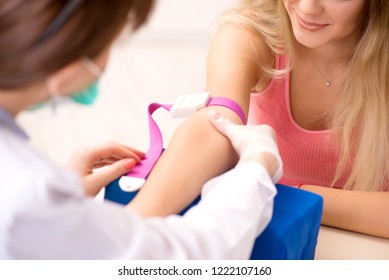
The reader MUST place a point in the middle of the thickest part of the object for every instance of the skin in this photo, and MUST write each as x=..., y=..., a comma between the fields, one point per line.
x=197, y=152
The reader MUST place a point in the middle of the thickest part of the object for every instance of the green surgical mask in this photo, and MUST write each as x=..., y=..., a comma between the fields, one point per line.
x=86, y=96
x=89, y=94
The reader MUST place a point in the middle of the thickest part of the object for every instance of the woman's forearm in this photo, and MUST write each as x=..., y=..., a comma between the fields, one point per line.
x=359, y=211
x=196, y=153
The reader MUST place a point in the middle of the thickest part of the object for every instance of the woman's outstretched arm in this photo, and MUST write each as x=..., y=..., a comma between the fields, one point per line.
x=197, y=152
x=359, y=211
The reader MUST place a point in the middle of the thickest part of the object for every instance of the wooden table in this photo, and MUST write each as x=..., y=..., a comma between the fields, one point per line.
x=337, y=244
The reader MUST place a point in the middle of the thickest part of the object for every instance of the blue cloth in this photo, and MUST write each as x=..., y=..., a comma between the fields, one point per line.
x=292, y=233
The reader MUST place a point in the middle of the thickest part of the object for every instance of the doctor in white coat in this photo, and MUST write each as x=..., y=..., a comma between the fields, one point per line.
x=51, y=48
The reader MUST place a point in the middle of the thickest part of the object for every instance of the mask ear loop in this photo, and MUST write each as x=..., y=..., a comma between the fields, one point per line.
x=54, y=100
x=91, y=66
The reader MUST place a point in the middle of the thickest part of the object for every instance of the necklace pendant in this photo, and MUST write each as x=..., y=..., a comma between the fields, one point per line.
x=328, y=83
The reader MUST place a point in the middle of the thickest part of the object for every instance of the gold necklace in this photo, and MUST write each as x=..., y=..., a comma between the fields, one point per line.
x=328, y=83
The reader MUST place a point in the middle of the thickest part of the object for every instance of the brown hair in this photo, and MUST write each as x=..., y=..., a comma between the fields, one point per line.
x=26, y=57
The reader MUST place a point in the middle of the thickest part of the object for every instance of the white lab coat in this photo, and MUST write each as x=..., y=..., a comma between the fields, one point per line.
x=44, y=214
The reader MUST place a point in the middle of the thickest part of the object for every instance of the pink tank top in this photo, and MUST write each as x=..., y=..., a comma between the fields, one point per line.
x=310, y=157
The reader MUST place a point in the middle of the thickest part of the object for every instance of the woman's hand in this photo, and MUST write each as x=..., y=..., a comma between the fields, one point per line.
x=116, y=159
x=252, y=143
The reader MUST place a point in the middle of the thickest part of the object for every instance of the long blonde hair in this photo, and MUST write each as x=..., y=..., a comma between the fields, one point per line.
x=361, y=117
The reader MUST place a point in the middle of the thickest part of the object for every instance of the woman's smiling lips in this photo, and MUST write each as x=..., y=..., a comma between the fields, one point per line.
x=309, y=26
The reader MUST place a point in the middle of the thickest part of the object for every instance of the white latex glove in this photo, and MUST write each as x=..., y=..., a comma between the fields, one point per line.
x=252, y=143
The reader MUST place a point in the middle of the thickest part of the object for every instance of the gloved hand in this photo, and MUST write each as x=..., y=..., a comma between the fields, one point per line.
x=252, y=143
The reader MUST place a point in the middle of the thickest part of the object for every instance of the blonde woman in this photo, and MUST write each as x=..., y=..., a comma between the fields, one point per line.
x=317, y=72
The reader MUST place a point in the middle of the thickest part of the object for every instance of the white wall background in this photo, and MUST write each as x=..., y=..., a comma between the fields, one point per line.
x=164, y=59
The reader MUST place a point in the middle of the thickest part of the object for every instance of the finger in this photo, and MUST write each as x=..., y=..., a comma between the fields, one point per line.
x=104, y=163
x=107, y=161
x=222, y=124
x=136, y=151
x=119, y=151
x=97, y=180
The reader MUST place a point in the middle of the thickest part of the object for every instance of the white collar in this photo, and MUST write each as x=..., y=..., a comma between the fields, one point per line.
x=7, y=121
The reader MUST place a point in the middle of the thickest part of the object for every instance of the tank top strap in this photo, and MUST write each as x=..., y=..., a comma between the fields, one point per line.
x=282, y=61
